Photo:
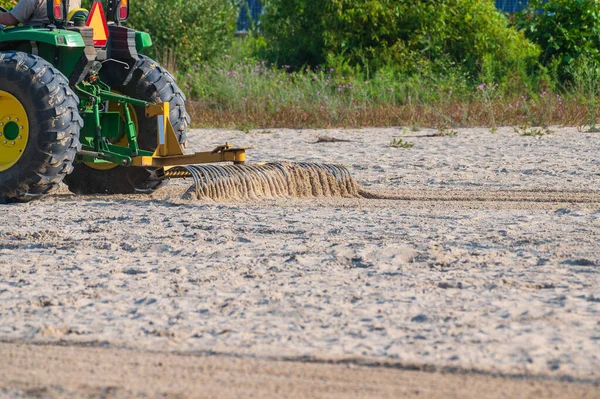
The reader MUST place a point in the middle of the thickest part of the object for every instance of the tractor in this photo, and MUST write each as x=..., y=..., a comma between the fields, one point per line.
x=81, y=103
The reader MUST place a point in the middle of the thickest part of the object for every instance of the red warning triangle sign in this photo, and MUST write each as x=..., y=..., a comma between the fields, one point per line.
x=97, y=21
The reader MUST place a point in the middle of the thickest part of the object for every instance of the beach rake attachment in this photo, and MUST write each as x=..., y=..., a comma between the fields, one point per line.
x=239, y=180
x=267, y=180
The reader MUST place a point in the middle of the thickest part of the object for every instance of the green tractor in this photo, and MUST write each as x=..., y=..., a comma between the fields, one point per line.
x=81, y=103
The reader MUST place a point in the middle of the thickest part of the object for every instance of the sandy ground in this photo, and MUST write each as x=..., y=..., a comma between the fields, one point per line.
x=488, y=263
x=70, y=372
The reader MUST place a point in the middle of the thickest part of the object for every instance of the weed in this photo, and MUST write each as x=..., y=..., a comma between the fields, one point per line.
x=442, y=132
x=586, y=81
x=245, y=127
x=527, y=131
x=488, y=93
x=399, y=143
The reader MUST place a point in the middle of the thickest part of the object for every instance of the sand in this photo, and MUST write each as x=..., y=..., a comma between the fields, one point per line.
x=73, y=372
x=487, y=261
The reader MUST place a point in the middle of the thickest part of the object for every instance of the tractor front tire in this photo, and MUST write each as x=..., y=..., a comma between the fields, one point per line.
x=39, y=127
x=145, y=80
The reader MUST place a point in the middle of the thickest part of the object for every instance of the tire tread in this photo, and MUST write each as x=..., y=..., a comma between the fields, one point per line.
x=58, y=143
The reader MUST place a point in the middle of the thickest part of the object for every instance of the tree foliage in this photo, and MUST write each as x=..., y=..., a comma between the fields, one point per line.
x=564, y=29
x=194, y=31
x=188, y=31
x=372, y=33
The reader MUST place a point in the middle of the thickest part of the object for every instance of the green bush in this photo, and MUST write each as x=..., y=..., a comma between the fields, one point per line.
x=193, y=30
x=406, y=33
x=564, y=29
x=189, y=32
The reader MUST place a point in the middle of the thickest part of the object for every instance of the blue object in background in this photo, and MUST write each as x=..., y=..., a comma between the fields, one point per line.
x=511, y=5
x=249, y=8
x=253, y=9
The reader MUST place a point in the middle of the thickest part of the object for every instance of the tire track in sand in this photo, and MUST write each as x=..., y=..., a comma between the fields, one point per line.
x=527, y=195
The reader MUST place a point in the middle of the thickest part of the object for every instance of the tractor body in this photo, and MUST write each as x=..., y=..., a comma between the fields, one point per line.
x=126, y=111
x=80, y=103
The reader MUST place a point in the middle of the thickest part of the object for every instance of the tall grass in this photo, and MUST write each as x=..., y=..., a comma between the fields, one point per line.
x=238, y=92
x=586, y=83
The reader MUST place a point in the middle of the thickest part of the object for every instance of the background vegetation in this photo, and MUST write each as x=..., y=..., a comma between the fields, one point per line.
x=200, y=29
x=441, y=63
x=7, y=3
x=367, y=34
x=565, y=30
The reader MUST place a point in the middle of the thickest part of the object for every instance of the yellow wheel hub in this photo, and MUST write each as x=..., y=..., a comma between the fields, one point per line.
x=14, y=130
x=116, y=107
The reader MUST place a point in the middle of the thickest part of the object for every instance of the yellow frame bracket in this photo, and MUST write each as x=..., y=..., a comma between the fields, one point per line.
x=168, y=145
x=170, y=153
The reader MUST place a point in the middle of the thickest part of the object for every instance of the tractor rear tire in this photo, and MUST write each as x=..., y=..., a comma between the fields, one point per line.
x=145, y=80
x=39, y=127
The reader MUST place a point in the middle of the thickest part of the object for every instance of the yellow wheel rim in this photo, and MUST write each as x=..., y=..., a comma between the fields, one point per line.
x=116, y=107
x=14, y=130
